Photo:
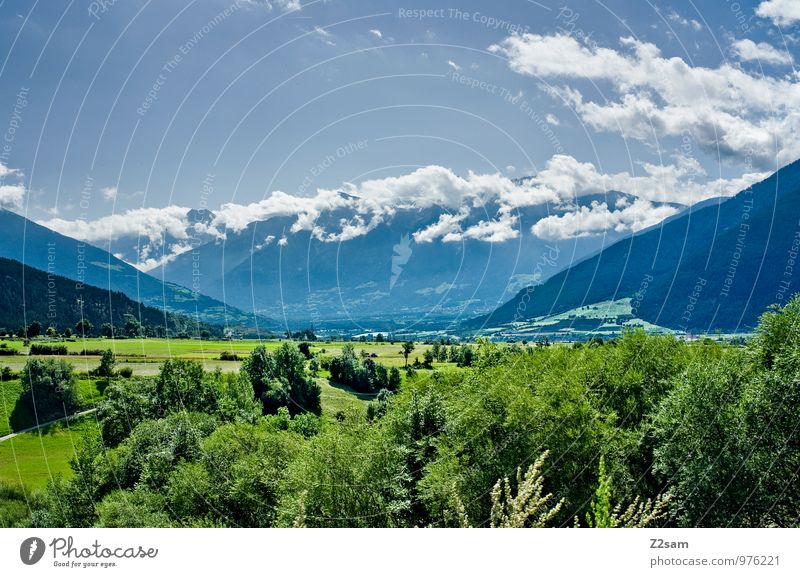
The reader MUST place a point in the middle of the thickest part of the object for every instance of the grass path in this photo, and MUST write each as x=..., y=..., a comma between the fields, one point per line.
x=47, y=424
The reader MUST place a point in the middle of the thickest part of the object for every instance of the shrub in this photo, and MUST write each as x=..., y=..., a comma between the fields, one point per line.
x=228, y=356
x=39, y=349
x=49, y=388
x=126, y=372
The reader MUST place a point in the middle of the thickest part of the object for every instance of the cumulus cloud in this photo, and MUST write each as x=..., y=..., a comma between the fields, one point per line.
x=498, y=230
x=163, y=233
x=149, y=226
x=726, y=109
x=236, y=217
x=11, y=195
x=598, y=218
x=747, y=50
x=448, y=228
x=109, y=192
x=781, y=12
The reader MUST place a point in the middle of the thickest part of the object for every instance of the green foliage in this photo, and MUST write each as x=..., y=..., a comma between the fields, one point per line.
x=408, y=347
x=49, y=388
x=692, y=434
x=108, y=363
x=14, y=510
x=182, y=385
x=600, y=514
x=136, y=509
x=41, y=350
x=279, y=380
x=156, y=447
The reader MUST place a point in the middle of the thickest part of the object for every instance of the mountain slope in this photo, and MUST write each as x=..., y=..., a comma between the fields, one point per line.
x=47, y=250
x=385, y=273
x=28, y=294
x=714, y=267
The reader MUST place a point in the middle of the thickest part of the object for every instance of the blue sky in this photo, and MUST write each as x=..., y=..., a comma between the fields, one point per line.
x=175, y=105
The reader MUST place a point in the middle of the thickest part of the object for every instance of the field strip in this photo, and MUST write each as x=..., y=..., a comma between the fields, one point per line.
x=37, y=427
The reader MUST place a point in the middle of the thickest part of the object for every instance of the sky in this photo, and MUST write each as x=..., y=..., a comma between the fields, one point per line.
x=120, y=116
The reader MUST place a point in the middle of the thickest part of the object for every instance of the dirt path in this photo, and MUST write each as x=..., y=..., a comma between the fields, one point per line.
x=37, y=427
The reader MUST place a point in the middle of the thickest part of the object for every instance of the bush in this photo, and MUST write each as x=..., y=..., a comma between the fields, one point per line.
x=39, y=349
x=126, y=372
x=49, y=388
x=228, y=356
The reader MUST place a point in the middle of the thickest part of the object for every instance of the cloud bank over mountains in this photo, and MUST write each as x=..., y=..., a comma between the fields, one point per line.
x=162, y=233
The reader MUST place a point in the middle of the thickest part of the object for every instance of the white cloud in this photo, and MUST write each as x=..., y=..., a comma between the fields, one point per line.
x=726, y=110
x=6, y=171
x=448, y=228
x=11, y=196
x=598, y=218
x=747, y=50
x=236, y=217
x=376, y=33
x=781, y=12
x=162, y=233
x=552, y=119
x=499, y=230
x=284, y=5
x=453, y=65
x=109, y=192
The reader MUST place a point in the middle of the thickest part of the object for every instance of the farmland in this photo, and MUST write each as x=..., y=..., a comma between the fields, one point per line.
x=33, y=458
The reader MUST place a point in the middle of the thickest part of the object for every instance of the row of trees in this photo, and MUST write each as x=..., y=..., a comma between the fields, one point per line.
x=129, y=328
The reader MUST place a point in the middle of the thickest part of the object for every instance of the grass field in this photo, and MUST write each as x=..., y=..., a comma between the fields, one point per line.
x=145, y=355
x=32, y=459
x=14, y=416
x=37, y=456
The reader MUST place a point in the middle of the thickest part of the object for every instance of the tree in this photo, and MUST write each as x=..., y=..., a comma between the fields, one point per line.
x=429, y=358
x=305, y=349
x=279, y=380
x=83, y=328
x=133, y=328
x=394, y=379
x=68, y=332
x=107, y=330
x=379, y=338
x=52, y=332
x=34, y=329
x=49, y=388
x=182, y=385
x=408, y=346
x=107, y=364
x=205, y=334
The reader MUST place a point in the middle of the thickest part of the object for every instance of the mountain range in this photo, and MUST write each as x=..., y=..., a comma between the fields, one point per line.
x=390, y=272
x=41, y=248
x=28, y=294
x=716, y=266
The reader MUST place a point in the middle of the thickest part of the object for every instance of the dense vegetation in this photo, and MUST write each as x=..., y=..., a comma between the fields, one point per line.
x=638, y=431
